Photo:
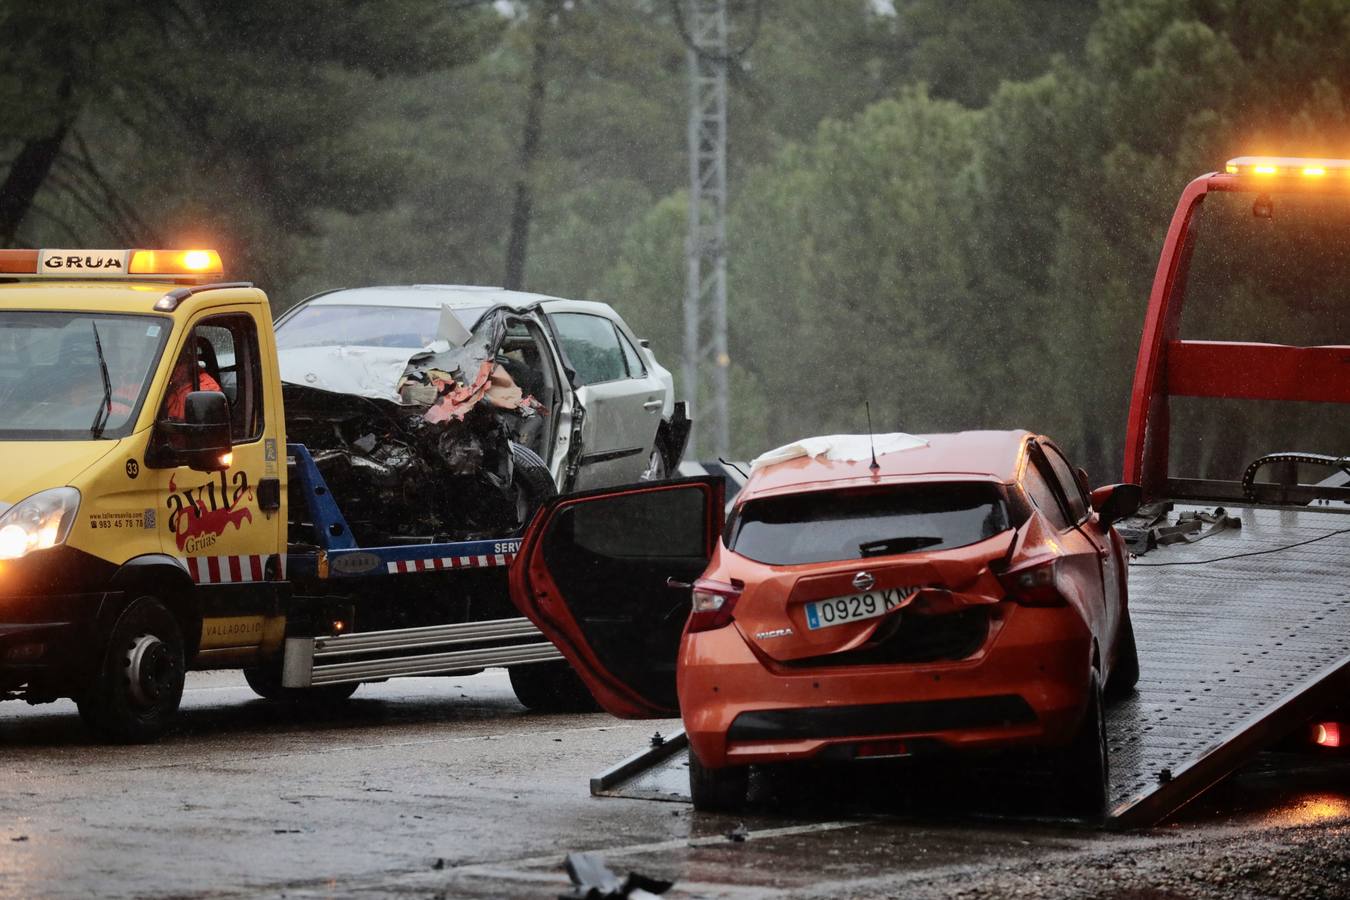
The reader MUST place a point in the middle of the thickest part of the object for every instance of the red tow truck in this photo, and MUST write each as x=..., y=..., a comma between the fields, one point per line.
x=1239, y=582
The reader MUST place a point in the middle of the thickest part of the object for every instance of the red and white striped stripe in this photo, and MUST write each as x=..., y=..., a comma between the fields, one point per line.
x=450, y=562
x=229, y=569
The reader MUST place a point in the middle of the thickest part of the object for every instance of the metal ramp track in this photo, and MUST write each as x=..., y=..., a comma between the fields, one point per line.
x=1233, y=656
x=339, y=659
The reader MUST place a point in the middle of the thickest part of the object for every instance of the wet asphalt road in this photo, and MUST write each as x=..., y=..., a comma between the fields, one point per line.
x=447, y=787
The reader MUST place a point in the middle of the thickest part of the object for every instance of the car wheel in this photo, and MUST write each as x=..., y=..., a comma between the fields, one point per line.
x=658, y=469
x=532, y=480
x=139, y=682
x=1083, y=764
x=1125, y=667
x=717, y=790
x=551, y=687
x=266, y=683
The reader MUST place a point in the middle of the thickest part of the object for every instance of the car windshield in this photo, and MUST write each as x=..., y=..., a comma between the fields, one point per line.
x=51, y=383
x=322, y=325
x=824, y=526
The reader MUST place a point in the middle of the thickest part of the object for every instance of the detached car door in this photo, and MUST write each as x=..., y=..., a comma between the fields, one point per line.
x=605, y=576
x=623, y=401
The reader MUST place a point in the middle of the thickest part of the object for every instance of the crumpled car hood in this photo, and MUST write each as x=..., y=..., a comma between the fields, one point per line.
x=417, y=443
x=372, y=372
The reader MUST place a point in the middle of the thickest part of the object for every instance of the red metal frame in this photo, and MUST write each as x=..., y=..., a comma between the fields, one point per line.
x=1170, y=367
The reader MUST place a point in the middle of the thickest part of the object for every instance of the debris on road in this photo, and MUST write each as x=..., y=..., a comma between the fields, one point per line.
x=593, y=880
x=738, y=834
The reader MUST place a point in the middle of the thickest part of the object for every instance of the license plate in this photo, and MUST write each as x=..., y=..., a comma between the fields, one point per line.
x=854, y=607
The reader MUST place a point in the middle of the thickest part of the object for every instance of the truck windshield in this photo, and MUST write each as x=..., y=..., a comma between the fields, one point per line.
x=823, y=526
x=51, y=382
x=1267, y=268
x=319, y=325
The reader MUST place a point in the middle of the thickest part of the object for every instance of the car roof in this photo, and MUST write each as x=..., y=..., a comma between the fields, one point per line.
x=455, y=296
x=958, y=456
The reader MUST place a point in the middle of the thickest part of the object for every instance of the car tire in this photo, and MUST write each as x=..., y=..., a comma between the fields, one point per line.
x=533, y=483
x=658, y=461
x=266, y=683
x=1125, y=666
x=139, y=681
x=551, y=687
x=1083, y=766
x=717, y=790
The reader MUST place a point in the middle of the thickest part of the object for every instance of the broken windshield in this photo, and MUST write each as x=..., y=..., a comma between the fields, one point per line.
x=51, y=383
x=406, y=327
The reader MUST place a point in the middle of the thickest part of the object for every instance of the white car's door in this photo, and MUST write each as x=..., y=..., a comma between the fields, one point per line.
x=622, y=399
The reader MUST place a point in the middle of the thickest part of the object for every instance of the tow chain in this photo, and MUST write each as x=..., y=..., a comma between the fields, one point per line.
x=1312, y=459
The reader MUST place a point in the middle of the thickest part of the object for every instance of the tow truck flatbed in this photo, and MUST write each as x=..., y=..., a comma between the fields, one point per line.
x=1234, y=654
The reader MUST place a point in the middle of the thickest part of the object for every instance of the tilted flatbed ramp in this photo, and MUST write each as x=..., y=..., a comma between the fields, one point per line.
x=1234, y=654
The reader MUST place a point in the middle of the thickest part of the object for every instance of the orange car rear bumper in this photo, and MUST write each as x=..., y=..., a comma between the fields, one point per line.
x=1027, y=687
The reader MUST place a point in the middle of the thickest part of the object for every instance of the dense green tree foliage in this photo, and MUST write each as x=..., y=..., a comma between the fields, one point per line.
x=951, y=211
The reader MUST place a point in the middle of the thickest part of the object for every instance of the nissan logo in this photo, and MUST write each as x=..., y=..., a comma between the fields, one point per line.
x=864, y=581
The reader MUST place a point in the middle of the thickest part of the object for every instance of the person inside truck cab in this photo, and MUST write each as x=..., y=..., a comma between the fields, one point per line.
x=192, y=372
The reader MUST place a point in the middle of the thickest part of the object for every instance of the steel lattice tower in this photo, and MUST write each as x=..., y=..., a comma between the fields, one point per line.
x=706, y=361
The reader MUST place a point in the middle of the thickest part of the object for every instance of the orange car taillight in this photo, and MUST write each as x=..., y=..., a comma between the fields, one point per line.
x=713, y=603
x=1036, y=584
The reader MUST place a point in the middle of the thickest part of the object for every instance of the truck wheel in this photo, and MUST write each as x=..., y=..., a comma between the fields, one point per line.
x=1082, y=765
x=1125, y=669
x=139, y=684
x=717, y=790
x=551, y=687
x=532, y=481
x=266, y=683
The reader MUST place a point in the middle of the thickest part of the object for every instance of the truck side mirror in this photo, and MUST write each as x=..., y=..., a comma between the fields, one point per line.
x=1114, y=502
x=201, y=441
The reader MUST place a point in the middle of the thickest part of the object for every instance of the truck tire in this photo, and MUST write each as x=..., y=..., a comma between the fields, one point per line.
x=551, y=687
x=266, y=683
x=1082, y=766
x=532, y=480
x=139, y=682
x=717, y=790
x=1125, y=668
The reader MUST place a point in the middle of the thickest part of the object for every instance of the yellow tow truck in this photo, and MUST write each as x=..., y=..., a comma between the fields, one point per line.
x=145, y=484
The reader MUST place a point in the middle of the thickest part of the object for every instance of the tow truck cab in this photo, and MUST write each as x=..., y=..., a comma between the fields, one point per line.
x=142, y=470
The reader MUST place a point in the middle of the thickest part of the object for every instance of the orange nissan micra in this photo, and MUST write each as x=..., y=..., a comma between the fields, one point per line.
x=960, y=592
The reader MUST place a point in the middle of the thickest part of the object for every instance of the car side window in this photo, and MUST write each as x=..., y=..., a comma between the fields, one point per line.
x=592, y=347
x=227, y=351
x=1037, y=487
x=631, y=356
x=1068, y=483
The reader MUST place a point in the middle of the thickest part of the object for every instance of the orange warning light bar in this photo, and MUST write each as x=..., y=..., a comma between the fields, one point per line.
x=141, y=265
x=1266, y=166
x=174, y=262
x=18, y=262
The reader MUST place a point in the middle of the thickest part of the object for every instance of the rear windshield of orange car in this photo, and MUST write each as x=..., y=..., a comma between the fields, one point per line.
x=825, y=526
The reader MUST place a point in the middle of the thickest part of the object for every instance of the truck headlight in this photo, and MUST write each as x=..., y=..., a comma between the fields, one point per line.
x=38, y=522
